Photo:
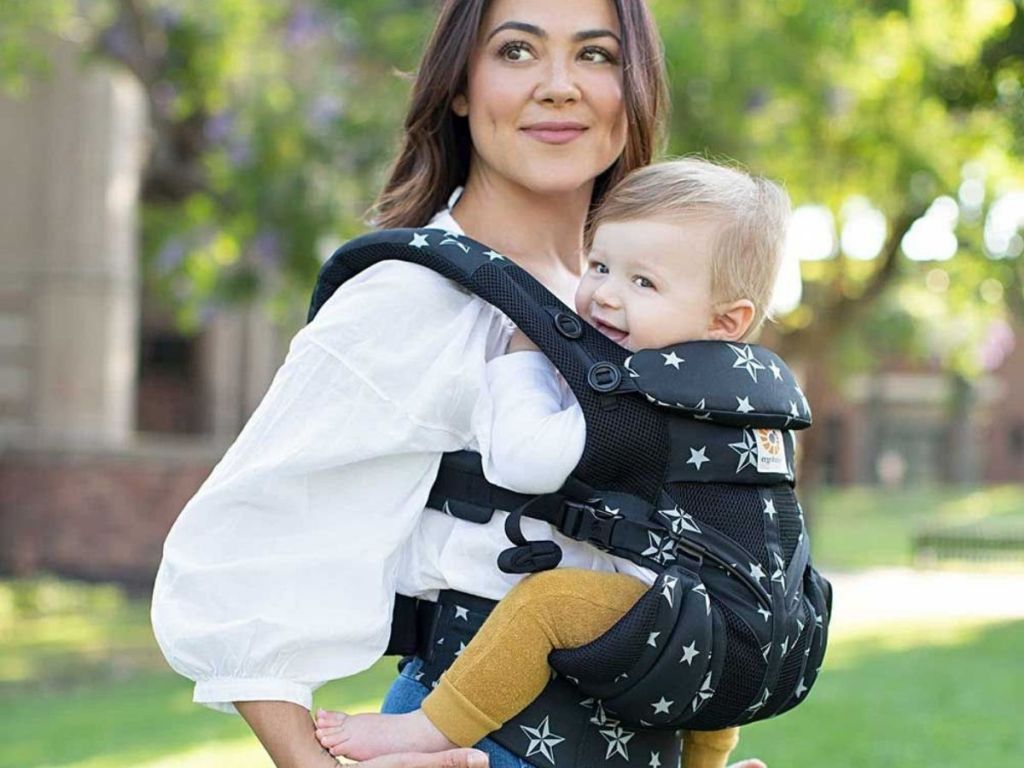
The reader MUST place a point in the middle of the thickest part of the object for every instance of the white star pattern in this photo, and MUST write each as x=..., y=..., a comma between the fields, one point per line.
x=454, y=241
x=446, y=509
x=705, y=692
x=701, y=590
x=764, y=700
x=542, y=740
x=668, y=589
x=671, y=359
x=492, y=255
x=779, y=575
x=801, y=689
x=745, y=359
x=661, y=707
x=679, y=520
x=690, y=652
x=747, y=451
x=793, y=411
x=769, y=509
x=462, y=647
x=697, y=458
x=756, y=571
x=702, y=416
x=765, y=613
x=744, y=405
x=655, y=760
x=766, y=650
x=461, y=613
x=652, y=639
x=661, y=548
x=776, y=371
x=419, y=241
x=617, y=739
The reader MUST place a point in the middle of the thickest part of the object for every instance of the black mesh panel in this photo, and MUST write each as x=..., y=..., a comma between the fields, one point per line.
x=616, y=651
x=735, y=510
x=742, y=676
x=792, y=664
x=788, y=519
x=627, y=445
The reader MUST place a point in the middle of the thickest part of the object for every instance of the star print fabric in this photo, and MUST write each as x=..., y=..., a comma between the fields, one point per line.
x=755, y=613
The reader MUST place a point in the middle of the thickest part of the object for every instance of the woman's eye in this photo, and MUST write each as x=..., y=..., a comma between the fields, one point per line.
x=515, y=51
x=643, y=282
x=597, y=56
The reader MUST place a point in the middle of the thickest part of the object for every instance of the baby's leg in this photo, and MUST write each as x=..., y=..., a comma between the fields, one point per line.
x=506, y=665
x=501, y=671
x=709, y=749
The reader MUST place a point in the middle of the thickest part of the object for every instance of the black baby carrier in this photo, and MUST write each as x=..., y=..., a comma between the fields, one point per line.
x=688, y=470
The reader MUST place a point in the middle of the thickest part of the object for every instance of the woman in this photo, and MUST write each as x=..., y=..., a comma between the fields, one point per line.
x=315, y=514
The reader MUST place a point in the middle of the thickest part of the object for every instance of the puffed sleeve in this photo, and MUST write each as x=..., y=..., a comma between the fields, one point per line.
x=280, y=573
x=529, y=431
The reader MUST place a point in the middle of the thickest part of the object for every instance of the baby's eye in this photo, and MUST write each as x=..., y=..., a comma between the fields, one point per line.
x=643, y=282
x=598, y=267
x=516, y=51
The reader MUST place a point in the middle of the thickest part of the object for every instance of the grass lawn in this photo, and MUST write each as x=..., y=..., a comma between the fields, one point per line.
x=864, y=527
x=82, y=684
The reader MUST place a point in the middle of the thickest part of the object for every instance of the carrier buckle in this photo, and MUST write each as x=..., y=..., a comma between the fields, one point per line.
x=586, y=523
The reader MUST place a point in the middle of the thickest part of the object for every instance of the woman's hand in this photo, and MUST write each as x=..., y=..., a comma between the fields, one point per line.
x=453, y=758
x=520, y=342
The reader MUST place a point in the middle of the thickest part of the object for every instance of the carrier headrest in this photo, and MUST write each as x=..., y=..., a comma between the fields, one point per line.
x=741, y=385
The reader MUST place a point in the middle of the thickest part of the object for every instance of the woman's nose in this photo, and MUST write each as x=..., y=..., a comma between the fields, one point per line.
x=558, y=85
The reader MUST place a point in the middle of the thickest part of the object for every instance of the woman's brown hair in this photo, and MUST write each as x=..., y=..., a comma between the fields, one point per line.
x=435, y=151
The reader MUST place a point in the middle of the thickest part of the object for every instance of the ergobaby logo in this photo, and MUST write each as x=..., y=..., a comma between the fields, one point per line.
x=771, y=452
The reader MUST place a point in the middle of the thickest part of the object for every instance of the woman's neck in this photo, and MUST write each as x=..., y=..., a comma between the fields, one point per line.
x=541, y=233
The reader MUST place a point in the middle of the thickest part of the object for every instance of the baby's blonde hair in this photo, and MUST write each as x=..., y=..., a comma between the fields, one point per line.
x=754, y=213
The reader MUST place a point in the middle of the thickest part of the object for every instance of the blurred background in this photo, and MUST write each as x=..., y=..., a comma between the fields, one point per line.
x=173, y=172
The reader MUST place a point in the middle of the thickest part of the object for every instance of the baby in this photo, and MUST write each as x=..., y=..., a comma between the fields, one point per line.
x=680, y=251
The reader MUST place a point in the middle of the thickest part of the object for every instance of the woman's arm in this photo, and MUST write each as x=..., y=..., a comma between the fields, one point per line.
x=286, y=731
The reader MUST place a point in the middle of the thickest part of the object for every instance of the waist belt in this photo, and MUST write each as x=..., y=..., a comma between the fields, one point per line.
x=562, y=727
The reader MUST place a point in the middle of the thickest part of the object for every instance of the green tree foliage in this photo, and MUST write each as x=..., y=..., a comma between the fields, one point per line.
x=273, y=123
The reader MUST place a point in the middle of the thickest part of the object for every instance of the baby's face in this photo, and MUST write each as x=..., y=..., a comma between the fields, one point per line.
x=647, y=283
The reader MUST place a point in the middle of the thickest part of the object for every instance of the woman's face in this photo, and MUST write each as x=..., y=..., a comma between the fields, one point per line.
x=544, y=93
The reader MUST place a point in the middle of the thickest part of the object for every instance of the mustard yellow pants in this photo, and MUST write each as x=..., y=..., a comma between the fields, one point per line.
x=505, y=667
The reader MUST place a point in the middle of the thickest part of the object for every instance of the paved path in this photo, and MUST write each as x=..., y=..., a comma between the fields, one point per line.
x=880, y=596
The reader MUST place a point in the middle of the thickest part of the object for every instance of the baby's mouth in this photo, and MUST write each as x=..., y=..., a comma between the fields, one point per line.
x=611, y=331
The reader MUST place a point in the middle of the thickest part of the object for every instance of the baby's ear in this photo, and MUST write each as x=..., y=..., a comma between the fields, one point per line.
x=731, y=321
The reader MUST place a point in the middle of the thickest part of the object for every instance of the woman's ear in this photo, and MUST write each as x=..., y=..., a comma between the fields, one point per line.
x=731, y=321
x=460, y=105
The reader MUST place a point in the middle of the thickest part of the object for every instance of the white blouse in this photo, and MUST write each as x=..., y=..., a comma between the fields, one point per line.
x=280, y=573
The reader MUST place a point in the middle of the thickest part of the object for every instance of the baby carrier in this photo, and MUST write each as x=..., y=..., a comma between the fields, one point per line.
x=688, y=470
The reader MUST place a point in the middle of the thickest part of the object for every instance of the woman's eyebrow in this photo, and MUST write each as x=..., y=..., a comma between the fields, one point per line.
x=533, y=29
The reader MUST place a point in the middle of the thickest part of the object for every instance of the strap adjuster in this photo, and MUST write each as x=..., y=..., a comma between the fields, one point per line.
x=586, y=523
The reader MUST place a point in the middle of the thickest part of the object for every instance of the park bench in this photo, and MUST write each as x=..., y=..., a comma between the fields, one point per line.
x=992, y=540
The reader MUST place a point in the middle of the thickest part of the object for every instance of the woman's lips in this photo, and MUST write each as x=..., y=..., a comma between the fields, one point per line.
x=555, y=133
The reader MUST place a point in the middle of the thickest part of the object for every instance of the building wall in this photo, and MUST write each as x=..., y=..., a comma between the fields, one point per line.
x=99, y=514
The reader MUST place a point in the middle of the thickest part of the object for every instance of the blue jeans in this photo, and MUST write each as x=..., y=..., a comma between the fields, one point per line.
x=405, y=695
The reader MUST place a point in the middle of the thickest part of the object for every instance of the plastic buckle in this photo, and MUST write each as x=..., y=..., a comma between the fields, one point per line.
x=586, y=523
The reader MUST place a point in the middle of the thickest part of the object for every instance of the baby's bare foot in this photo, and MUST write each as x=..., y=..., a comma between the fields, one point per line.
x=361, y=737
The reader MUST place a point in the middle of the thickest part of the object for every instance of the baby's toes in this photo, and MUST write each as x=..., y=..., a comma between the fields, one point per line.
x=330, y=737
x=327, y=718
